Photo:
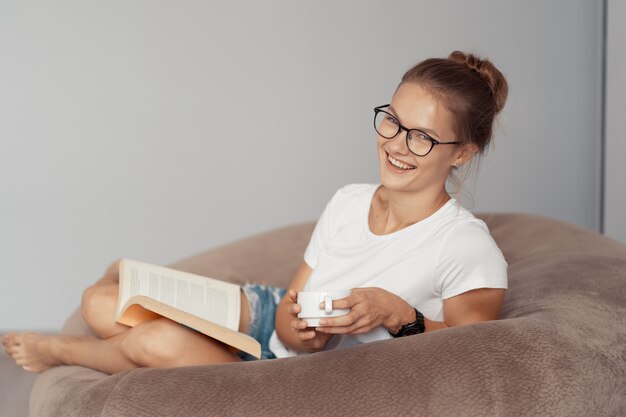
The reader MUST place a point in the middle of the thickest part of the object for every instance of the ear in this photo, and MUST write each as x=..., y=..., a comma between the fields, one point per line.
x=466, y=152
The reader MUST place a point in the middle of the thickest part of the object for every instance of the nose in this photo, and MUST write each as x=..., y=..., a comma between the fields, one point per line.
x=398, y=144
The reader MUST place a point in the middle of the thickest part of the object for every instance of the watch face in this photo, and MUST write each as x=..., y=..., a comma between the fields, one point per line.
x=411, y=331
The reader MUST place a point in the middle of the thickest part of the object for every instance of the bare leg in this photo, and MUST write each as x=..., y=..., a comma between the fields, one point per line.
x=100, y=302
x=158, y=343
x=36, y=352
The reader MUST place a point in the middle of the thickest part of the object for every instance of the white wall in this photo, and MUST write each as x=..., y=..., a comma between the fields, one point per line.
x=156, y=129
x=615, y=166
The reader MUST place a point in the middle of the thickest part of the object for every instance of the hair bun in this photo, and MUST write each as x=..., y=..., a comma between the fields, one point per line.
x=488, y=72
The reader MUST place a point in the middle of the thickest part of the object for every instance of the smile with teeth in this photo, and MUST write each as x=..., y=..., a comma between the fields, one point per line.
x=399, y=164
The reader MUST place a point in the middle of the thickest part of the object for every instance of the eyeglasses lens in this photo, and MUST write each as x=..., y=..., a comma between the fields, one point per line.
x=388, y=127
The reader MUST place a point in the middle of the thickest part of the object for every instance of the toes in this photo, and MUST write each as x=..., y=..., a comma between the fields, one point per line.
x=12, y=345
x=11, y=339
x=6, y=339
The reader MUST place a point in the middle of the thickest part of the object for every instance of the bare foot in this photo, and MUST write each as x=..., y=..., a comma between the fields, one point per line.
x=31, y=351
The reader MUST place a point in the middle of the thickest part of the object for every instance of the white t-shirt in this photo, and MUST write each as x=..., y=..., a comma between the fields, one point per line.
x=446, y=254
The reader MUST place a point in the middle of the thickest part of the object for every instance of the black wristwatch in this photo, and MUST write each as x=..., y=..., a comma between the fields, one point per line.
x=416, y=327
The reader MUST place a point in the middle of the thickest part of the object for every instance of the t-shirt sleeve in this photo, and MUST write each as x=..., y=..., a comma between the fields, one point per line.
x=322, y=233
x=470, y=259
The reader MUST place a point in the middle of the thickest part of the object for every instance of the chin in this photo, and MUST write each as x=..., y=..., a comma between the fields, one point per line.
x=393, y=180
x=394, y=185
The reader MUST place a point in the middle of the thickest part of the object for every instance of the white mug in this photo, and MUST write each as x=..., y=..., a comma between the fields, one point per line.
x=310, y=301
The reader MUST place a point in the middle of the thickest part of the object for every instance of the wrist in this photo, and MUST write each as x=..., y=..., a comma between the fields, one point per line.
x=417, y=326
x=405, y=316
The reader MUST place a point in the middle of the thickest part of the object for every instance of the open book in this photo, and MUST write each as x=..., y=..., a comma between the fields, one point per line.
x=207, y=305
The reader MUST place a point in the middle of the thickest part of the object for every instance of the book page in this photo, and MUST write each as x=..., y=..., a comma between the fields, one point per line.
x=213, y=300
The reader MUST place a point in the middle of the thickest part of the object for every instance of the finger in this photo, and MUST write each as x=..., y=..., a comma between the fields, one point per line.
x=362, y=325
x=292, y=295
x=340, y=303
x=294, y=309
x=333, y=330
x=345, y=320
x=365, y=324
x=306, y=335
x=349, y=301
x=361, y=330
x=298, y=325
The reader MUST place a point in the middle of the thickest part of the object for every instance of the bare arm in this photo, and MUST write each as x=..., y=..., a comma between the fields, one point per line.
x=291, y=331
x=372, y=307
x=481, y=304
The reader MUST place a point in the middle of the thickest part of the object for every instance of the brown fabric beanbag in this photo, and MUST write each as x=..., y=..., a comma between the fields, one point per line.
x=559, y=349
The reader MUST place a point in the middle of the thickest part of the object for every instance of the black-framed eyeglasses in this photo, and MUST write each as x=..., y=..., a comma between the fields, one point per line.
x=419, y=143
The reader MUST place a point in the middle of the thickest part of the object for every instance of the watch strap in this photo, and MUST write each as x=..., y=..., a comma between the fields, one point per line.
x=415, y=327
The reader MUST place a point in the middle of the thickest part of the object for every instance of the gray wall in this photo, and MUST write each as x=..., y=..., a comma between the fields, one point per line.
x=615, y=193
x=155, y=129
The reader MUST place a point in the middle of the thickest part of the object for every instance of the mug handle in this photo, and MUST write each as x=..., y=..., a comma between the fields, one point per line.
x=328, y=304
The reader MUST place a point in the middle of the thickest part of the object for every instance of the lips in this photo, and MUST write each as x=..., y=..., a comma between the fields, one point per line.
x=400, y=164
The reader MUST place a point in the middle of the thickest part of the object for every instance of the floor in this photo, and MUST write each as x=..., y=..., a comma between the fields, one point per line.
x=15, y=385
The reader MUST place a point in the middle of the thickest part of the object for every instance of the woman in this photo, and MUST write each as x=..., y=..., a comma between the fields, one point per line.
x=416, y=260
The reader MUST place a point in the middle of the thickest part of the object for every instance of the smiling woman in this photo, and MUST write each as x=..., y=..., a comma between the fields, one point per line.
x=414, y=258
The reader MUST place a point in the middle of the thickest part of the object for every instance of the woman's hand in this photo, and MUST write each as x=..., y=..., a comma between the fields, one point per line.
x=312, y=340
x=369, y=308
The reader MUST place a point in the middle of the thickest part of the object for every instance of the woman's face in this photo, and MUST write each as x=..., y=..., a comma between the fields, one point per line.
x=415, y=108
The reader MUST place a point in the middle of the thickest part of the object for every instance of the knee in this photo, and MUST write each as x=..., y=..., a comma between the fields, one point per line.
x=113, y=268
x=152, y=343
x=94, y=298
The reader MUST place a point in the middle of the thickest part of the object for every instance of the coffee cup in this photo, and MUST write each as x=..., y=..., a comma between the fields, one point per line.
x=309, y=302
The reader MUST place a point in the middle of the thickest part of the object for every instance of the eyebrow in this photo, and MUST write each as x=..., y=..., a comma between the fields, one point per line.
x=425, y=130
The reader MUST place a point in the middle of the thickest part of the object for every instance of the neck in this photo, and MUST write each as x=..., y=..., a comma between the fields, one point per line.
x=399, y=209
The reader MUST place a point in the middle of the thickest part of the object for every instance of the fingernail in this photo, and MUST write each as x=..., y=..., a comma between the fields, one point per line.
x=322, y=322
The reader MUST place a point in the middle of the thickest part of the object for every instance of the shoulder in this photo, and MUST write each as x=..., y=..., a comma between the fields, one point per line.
x=467, y=236
x=469, y=258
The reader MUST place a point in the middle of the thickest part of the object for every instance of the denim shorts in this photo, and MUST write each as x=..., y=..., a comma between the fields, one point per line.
x=263, y=301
